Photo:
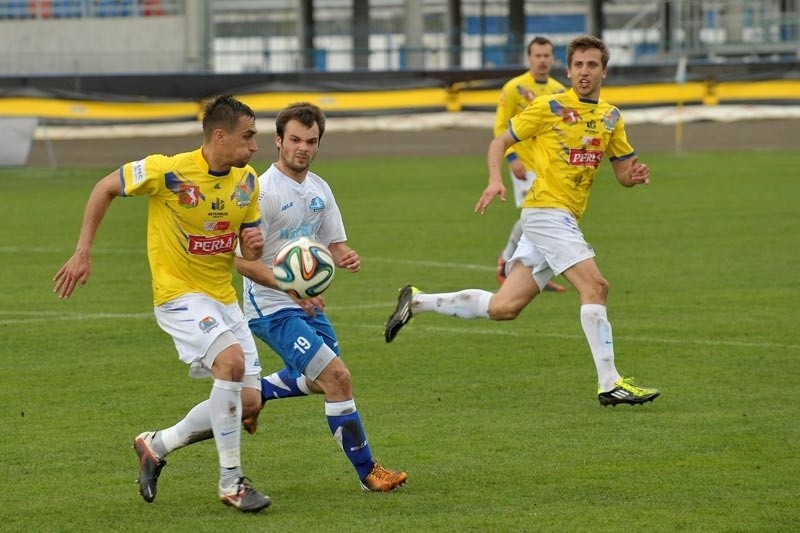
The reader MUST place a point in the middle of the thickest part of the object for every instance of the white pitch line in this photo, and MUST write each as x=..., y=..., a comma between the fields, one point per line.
x=47, y=316
x=651, y=340
x=14, y=250
x=433, y=264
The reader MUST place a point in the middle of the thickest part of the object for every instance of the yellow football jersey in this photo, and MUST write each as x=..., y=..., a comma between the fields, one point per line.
x=517, y=93
x=570, y=137
x=193, y=222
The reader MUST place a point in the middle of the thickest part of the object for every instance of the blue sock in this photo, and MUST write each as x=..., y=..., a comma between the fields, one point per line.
x=346, y=427
x=282, y=384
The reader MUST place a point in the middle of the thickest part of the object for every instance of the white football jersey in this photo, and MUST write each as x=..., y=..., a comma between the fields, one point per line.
x=290, y=210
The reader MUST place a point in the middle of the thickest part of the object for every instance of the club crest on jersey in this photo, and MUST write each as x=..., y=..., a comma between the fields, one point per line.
x=610, y=119
x=188, y=195
x=207, y=324
x=570, y=116
x=316, y=204
x=244, y=191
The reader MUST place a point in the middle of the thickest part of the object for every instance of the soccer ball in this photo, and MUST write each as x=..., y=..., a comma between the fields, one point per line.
x=303, y=267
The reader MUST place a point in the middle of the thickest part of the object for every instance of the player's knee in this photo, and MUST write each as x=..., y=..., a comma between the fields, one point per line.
x=341, y=378
x=503, y=311
x=597, y=290
x=601, y=287
x=229, y=364
x=336, y=380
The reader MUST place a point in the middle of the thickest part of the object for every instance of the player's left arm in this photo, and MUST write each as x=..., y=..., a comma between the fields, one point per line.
x=344, y=256
x=630, y=171
x=251, y=242
x=627, y=168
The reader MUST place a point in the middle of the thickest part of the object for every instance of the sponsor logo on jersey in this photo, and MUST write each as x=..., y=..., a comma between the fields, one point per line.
x=139, y=172
x=316, y=204
x=207, y=324
x=216, y=225
x=305, y=230
x=287, y=206
x=570, y=116
x=217, y=244
x=585, y=158
x=591, y=141
x=188, y=195
x=218, y=204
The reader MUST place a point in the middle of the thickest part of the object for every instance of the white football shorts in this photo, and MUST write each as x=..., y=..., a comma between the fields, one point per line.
x=195, y=321
x=551, y=243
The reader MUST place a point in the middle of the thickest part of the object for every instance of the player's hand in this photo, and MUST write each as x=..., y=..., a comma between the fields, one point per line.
x=74, y=272
x=351, y=261
x=310, y=305
x=252, y=243
x=640, y=173
x=495, y=188
x=518, y=170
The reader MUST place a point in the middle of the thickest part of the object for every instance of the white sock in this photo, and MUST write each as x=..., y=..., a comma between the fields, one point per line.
x=597, y=329
x=302, y=384
x=194, y=427
x=469, y=303
x=225, y=408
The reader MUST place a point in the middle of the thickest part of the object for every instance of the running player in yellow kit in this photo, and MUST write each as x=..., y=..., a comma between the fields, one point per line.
x=572, y=133
x=200, y=204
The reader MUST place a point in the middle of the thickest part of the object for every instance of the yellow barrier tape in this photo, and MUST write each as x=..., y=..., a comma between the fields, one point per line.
x=431, y=99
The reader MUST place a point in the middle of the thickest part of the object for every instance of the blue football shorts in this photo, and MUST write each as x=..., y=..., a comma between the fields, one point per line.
x=307, y=344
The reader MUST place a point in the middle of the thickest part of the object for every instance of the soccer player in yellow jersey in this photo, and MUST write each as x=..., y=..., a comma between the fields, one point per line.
x=572, y=133
x=517, y=94
x=200, y=204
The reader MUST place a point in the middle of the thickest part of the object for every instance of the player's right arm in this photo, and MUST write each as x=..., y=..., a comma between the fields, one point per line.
x=78, y=267
x=494, y=162
x=260, y=273
x=256, y=270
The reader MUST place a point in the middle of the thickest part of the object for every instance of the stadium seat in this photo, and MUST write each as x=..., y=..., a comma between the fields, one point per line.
x=42, y=9
x=152, y=8
x=113, y=8
x=67, y=8
x=14, y=9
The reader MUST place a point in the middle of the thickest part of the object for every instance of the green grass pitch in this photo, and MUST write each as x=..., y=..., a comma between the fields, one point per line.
x=497, y=424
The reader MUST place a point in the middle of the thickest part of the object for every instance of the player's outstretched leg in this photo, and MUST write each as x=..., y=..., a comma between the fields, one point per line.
x=402, y=313
x=625, y=391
